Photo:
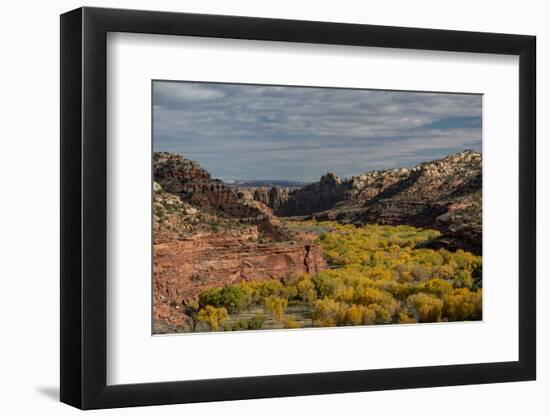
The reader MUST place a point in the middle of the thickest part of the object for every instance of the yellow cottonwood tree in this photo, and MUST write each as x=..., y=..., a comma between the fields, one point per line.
x=425, y=307
x=213, y=316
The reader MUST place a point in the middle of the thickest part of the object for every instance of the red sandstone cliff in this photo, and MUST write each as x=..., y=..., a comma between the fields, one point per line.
x=184, y=268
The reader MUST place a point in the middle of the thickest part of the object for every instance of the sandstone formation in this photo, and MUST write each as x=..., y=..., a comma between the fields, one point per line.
x=444, y=194
x=193, y=184
x=186, y=267
x=273, y=197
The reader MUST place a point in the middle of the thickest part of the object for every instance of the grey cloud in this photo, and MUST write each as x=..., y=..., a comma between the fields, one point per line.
x=299, y=133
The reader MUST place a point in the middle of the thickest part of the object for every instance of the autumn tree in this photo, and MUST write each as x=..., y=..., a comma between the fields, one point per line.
x=463, y=279
x=404, y=318
x=213, y=316
x=354, y=315
x=463, y=304
x=426, y=308
x=326, y=312
x=436, y=286
x=277, y=306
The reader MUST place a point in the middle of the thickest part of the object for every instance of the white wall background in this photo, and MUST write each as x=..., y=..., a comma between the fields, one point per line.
x=29, y=225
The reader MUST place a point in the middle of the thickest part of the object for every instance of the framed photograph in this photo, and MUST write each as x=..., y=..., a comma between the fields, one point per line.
x=258, y=208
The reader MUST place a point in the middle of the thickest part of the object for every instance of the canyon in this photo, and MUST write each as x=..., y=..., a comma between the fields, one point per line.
x=444, y=194
x=208, y=233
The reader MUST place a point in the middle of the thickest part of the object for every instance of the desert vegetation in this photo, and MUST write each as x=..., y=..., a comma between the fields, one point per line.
x=377, y=275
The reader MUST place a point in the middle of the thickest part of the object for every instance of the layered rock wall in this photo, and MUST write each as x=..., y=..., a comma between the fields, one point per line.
x=443, y=194
x=184, y=268
x=193, y=184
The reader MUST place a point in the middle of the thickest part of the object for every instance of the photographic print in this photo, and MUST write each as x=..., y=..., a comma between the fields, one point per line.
x=289, y=207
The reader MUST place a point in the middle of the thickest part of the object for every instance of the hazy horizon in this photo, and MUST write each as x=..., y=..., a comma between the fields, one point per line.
x=254, y=132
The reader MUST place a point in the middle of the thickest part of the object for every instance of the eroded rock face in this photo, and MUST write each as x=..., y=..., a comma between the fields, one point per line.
x=178, y=175
x=315, y=197
x=367, y=186
x=273, y=197
x=186, y=267
x=329, y=192
x=443, y=194
x=193, y=184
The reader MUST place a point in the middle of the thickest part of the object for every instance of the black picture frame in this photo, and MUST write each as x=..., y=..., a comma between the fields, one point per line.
x=84, y=207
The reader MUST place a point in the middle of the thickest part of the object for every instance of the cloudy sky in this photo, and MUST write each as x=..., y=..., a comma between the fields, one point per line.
x=240, y=132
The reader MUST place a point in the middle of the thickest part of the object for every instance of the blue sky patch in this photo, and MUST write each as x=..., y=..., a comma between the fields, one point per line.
x=465, y=122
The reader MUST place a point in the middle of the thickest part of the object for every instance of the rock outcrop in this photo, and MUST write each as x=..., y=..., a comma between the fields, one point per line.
x=444, y=194
x=193, y=184
x=184, y=268
x=315, y=197
x=273, y=197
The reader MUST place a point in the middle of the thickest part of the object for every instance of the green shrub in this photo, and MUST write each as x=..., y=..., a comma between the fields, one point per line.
x=232, y=297
x=256, y=322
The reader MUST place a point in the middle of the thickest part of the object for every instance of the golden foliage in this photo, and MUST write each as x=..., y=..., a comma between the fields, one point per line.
x=426, y=308
x=377, y=275
x=213, y=316
x=290, y=324
x=277, y=306
x=463, y=305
